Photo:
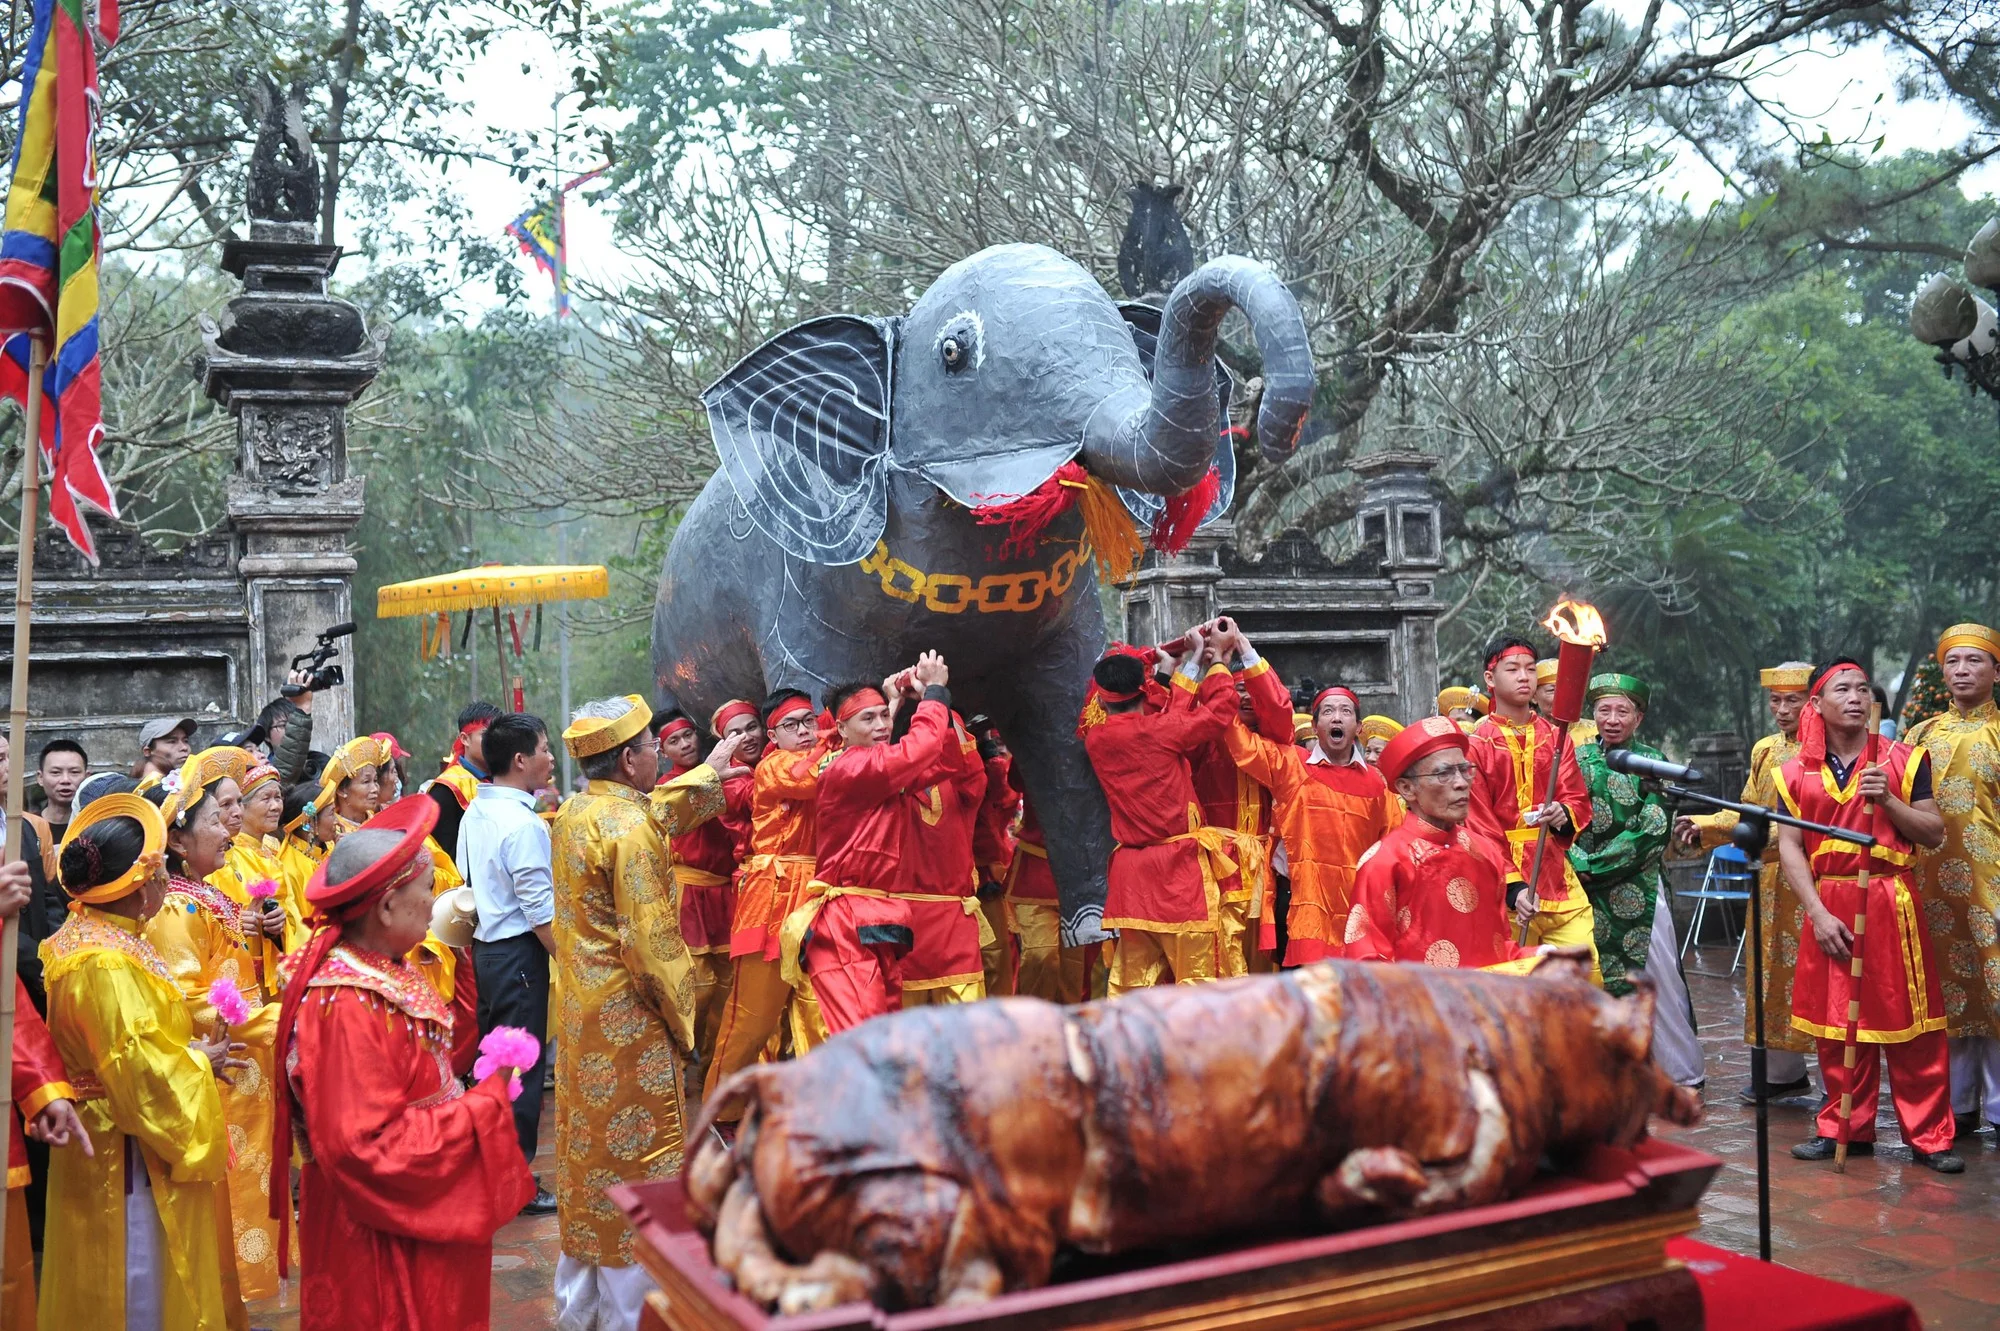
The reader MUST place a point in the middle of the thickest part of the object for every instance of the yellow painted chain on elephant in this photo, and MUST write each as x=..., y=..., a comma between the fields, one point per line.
x=951, y=593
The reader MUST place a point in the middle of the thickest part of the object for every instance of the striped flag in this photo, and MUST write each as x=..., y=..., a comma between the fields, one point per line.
x=542, y=233
x=49, y=255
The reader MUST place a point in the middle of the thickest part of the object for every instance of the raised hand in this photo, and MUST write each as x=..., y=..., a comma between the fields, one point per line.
x=723, y=756
x=930, y=670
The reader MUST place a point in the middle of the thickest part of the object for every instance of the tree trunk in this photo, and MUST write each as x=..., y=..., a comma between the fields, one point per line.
x=336, y=119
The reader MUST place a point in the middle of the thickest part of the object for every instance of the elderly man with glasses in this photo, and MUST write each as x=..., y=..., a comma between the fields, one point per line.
x=1428, y=891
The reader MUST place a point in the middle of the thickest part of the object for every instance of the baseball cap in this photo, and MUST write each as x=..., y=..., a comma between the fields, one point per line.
x=243, y=739
x=164, y=726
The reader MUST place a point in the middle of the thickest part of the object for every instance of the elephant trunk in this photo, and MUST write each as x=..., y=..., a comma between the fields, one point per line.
x=1166, y=444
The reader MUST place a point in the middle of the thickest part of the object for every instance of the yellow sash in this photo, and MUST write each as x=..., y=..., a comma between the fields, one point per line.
x=792, y=935
x=1253, y=855
x=694, y=877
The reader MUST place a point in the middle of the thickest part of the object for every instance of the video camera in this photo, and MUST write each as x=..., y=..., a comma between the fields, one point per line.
x=326, y=673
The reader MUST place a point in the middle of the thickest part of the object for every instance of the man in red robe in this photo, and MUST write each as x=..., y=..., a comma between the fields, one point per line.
x=1513, y=749
x=946, y=962
x=1164, y=891
x=407, y=1176
x=1429, y=892
x=705, y=863
x=1234, y=801
x=867, y=836
x=1045, y=968
x=1901, y=1004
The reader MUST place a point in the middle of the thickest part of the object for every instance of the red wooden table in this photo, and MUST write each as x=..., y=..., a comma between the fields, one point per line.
x=1743, y=1294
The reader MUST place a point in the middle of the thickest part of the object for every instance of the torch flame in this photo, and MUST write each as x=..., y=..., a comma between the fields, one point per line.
x=1577, y=622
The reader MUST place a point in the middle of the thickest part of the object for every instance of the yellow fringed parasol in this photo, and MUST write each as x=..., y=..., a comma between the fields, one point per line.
x=488, y=587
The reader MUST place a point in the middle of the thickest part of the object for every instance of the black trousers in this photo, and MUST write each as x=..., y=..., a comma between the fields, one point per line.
x=514, y=991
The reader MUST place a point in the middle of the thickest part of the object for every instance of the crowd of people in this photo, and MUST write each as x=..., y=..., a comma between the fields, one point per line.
x=242, y=1046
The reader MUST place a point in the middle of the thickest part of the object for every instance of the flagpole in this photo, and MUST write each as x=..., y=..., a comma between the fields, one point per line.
x=17, y=716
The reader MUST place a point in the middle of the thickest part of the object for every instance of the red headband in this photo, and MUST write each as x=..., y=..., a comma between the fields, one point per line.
x=676, y=726
x=1812, y=727
x=1331, y=689
x=1516, y=650
x=787, y=708
x=860, y=702
x=728, y=712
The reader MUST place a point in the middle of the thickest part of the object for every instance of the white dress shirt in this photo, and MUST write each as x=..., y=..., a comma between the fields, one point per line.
x=503, y=851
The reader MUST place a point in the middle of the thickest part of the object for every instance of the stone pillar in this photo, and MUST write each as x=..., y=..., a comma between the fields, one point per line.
x=286, y=360
x=1400, y=520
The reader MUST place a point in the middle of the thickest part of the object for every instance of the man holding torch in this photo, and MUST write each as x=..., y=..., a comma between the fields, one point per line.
x=1530, y=799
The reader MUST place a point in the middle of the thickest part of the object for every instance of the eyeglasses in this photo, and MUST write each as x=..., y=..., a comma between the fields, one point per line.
x=1449, y=772
x=798, y=723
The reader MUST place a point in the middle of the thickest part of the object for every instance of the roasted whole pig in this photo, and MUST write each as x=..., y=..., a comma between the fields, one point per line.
x=943, y=1155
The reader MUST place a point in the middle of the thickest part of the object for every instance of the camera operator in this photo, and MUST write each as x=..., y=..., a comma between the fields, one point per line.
x=287, y=726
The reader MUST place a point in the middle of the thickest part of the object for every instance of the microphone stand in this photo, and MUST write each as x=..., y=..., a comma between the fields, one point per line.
x=1752, y=831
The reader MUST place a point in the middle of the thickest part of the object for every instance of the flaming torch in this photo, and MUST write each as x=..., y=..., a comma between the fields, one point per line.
x=1580, y=630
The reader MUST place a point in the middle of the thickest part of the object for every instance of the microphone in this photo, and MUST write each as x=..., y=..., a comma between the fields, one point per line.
x=1624, y=760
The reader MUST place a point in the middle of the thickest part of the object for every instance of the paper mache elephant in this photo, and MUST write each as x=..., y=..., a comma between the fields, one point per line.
x=838, y=538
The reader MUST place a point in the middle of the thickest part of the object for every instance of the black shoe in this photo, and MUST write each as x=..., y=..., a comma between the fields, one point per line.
x=544, y=1203
x=1944, y=1162
x=1775, y=1090
x=1821, y=1148
x=1965, y=1125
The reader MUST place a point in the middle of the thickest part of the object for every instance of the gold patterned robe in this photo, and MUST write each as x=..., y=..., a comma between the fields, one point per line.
x=1783, y=915
x=1960, y=880
x=625, y=1006
x=123, y=1031
x=248, y=860
x=195, y=931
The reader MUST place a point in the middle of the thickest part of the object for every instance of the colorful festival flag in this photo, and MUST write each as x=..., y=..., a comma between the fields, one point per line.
x=542, y=235
x=49, y=255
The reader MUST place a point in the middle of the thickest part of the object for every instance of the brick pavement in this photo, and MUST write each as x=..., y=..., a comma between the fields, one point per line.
x=1888, y=1223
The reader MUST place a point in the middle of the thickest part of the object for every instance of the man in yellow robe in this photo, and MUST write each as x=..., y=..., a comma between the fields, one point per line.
x=147, y=1096
x=1785, y=1060
x=625, y=1017
x=1961, y=878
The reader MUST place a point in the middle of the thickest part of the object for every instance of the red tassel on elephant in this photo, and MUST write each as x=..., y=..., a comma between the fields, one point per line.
x=1178, y=521
x=1027, y=516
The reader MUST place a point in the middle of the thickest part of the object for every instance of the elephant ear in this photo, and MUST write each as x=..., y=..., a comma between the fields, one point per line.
x=802, y=427
x=1144, y=505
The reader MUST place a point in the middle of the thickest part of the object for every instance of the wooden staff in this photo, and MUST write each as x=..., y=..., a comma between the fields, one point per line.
x=1542, y=831
x=1851, y=1046
x=17, y=716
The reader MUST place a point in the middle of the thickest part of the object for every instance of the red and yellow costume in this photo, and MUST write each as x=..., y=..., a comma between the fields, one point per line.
x=1164, y=893
x=407, y=1176
x=1234, y=801
x=992, y=854
x=1046, y=969
x=39, y=1079
x=705, y=867
x=773, y=880
x=851, y=935
x=1902, y=1007
x=1513, y=779
x=1328, y=815
x=946, y=961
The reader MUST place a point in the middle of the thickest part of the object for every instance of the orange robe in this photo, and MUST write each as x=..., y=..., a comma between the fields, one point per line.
x=1165, y=867
x=407, y=1177
x=1435, y=896
x=1327, y=816
x=772, y=879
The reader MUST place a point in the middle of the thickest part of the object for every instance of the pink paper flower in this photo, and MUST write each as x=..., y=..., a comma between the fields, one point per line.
x=262, y=889
x=507, y=1047
x=227, y=1000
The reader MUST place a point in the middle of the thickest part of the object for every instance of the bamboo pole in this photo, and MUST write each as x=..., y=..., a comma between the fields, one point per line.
x=17, y=716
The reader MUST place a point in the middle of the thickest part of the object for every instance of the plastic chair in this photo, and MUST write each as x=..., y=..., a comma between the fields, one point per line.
x=1729, y=877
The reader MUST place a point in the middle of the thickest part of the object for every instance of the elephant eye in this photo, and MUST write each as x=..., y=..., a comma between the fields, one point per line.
x=958, y=342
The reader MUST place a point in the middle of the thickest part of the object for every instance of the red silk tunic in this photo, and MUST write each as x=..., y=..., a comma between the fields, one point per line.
x=1513, y=763
x=1160, y=877
x=407, y=1177
x=710, y=851
x=1230, y=798
x=946, y=948
x=1431, y=895
x=867, y=831
x=38, y=1078
x=1901, y=997
x=773, y=875
x=1028, y=876
x=993, y=835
